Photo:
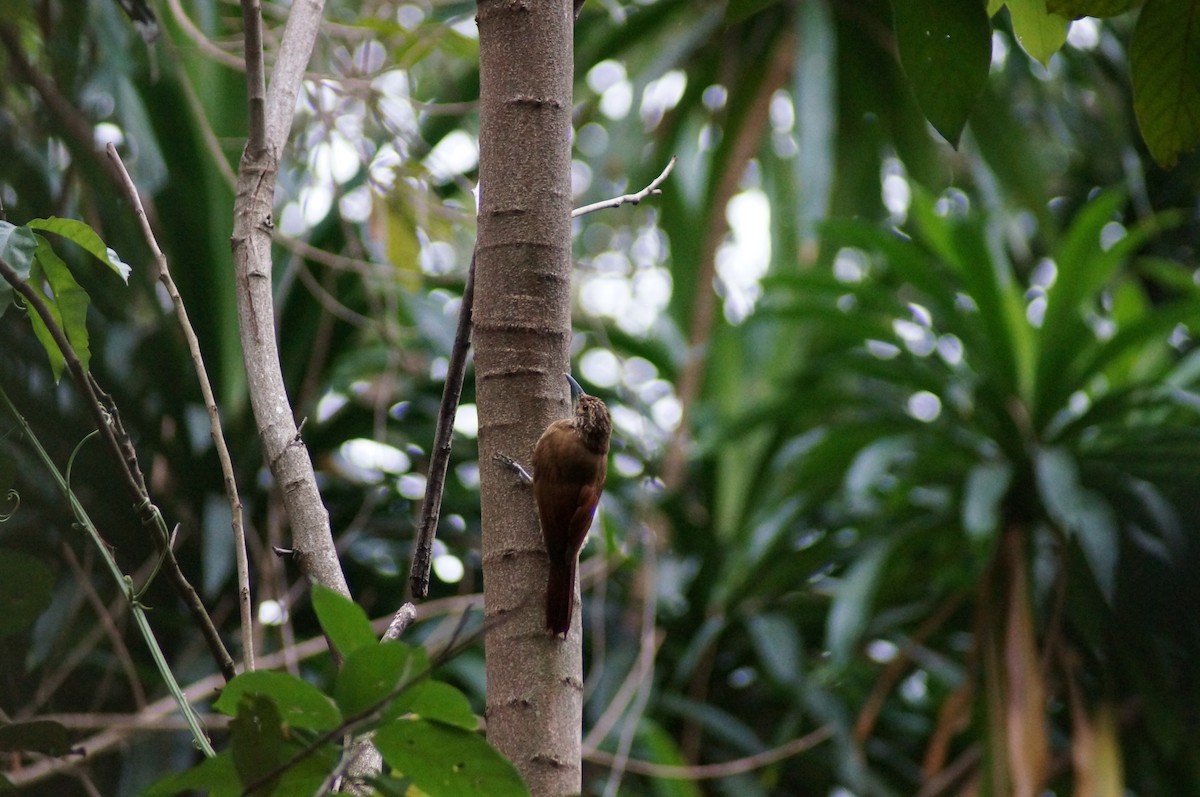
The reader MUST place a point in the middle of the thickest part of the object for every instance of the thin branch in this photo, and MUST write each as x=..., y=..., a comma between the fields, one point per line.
x=155, y=714
x=120, y=649
x=108, y=422
x=123, y=582
x=725, y=769
x=629, y=199
x=210, y=403
x=644, y=668
x=897, y=667
x=439, y=458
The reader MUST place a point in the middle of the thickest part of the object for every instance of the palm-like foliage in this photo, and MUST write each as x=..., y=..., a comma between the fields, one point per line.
x=976, y=476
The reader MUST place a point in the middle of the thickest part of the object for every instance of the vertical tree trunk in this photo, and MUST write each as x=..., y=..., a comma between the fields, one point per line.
x=522, y=338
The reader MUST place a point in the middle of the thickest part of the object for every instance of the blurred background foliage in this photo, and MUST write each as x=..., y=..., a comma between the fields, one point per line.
x=906, y=445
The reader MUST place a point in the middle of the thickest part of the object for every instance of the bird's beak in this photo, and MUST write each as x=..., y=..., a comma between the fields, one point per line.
x=576, y=390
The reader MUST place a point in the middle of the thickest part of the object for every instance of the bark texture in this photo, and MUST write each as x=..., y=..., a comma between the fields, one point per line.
x=523, y=333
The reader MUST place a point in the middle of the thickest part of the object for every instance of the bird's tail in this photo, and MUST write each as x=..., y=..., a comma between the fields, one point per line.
x=560, y=598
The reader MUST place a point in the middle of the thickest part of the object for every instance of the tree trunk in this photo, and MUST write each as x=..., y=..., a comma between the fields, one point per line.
x=522, y=338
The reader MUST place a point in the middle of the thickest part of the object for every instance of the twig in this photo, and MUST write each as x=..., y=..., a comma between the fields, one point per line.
x=120, y=649
x=439, y=458
x=628, y=199
x=154, y=714
x=897, y=667
x=725, y=769
x=210, y=403
x=644, y=670
x=105, y=416
x=123, y=581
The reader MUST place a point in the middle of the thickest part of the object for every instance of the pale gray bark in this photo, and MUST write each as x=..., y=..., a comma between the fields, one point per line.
x=522, y=319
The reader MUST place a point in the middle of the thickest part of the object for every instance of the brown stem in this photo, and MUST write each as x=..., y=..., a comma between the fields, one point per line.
x=104, y=415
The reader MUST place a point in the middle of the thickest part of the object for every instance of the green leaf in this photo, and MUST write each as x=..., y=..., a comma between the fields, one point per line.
x=446, y=761
x=741, y=10
x=1164, y=61
x=301, y=704
x=778, y=646
x=17, y=248
x=35, y=736
x=661, y=748
x=946, y=50
x=371, y=675
x=850, y=611
x=434, y=700
x=85, y=236
x=1074, y=9
x=26, y=586
x=68, y=305
x=256, y=740
x=983, y=495
x=215, y=776
x=1082, y=512
x=1039, y=32
x=342, y=620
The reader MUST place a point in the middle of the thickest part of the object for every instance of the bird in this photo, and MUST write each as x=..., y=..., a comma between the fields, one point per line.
x=570, y=463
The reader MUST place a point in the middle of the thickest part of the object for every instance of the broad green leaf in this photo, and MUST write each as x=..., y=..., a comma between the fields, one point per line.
x=447, y=761
x=946, y=51
x=993, y=7
x=214, y=776
x=1164, y=61
x=850, y=610
x=1074, y=9
x=35, y=736
x=17, y=248
x=1039, y=32
x=256, y=739
x=434, y=700
x=342, y=620
x=86, y=237
x=372, y=674
x=68, y=305
x=1082, y=512
x=300, y=704
x=26, y=586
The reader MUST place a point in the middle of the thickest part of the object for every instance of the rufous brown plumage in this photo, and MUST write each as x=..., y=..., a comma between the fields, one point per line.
x=570, y=462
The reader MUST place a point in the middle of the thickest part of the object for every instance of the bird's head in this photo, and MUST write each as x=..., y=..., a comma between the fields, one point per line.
x=591, y=417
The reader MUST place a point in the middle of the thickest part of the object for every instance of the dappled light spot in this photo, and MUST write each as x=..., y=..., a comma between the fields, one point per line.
x=466, y=420
x=271, y=612
x=448, y=568
x=411, y=486
x=924, y=406
x=367, y=460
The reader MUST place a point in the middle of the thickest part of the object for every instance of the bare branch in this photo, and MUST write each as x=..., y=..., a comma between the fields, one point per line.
x=628, y=199
x=439, y=457
x=724, y=769
x=210, y=403
x=116, y=441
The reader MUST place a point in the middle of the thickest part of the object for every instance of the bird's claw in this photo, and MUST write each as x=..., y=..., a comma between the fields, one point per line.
x=514, y=466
